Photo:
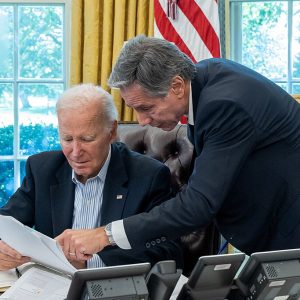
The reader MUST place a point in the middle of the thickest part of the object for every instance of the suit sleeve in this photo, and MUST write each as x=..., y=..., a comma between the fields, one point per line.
x=225, y=136
x=159, y=191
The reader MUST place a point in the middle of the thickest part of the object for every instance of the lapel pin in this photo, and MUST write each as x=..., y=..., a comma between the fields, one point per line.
x=119, y=197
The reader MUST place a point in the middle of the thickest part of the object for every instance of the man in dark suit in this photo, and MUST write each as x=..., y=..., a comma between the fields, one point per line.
x=91, y=182
x=246, y=133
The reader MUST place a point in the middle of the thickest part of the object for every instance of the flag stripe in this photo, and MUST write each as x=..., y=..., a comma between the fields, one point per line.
x=167, y=30
x=189, y=35
x=210, y=10
x=200, y=22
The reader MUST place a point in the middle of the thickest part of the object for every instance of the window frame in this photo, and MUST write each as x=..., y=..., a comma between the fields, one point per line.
x=235, y=50
x=15, y=81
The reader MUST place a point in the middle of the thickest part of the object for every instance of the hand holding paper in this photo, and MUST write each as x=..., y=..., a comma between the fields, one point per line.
x=10, y=258
x=34, y=244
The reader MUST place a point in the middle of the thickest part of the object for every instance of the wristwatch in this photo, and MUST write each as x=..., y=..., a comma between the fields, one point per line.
x=109, y=235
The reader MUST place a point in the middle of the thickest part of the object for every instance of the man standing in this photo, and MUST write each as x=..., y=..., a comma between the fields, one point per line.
x=246, y=134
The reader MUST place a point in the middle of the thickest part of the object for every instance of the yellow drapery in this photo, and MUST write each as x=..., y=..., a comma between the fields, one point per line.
x=99, y=29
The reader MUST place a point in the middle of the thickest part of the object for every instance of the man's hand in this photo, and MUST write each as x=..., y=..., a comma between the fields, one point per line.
x=81, y=244
x=10, y=258
x=79, y=264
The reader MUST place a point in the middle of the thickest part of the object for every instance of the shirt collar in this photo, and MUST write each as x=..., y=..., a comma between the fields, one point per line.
x=191, y=112
x=102, y=173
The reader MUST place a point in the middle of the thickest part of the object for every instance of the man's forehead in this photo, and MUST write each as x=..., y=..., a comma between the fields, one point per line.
x=134, y=88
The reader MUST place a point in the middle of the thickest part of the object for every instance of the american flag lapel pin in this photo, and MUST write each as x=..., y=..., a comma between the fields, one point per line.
x=119, y=197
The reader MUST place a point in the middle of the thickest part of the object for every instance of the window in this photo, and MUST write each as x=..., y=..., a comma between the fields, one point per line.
x=33, y=72
x=265, y=36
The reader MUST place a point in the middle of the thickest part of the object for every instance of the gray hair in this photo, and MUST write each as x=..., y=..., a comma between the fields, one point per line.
x=152, y=63
x=80, y=95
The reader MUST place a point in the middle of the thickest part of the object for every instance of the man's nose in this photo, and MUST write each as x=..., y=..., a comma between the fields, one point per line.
x=143, y=119
x=76, y=148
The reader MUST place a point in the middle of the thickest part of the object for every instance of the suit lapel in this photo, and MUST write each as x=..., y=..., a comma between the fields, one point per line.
x=115, y=188
x=193, y=131
x=190, y=134
x=195, y=94
x=62, y=200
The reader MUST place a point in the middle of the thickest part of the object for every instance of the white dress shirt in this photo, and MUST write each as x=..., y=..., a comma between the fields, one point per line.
x=117, y=227
x=87, y=205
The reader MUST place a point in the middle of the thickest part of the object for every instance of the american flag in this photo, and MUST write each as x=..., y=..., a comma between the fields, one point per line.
x=192, y=25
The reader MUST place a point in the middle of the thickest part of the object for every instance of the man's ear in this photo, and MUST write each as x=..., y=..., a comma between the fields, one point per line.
x=114, y=131
x=178, y=86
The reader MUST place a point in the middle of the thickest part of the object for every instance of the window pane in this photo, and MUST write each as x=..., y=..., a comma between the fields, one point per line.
x=22, y=169
x=6, y=181
x=264, y=31
x=282, y=85
x=6, y=42
x=296, y=39
x=296, y=88
x=38, y=122
x=32, y=76
x=7, y=119
x=41, y=41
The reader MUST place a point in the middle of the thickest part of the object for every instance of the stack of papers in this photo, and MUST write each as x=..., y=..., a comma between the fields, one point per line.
x=51, y=282
x=39, y=283
x=7, y=279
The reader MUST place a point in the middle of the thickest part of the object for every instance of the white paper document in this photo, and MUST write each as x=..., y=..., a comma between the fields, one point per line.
x=8, y=278
x=29, y=242
x=39, y=284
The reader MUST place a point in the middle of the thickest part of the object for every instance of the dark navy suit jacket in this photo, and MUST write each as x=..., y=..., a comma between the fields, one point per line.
x=246, y=176
x=46, y=198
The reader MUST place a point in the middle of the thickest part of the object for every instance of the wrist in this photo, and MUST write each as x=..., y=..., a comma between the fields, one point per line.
x=101, y=238
x=109, y=235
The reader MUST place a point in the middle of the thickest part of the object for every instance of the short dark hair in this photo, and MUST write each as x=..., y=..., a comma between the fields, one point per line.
x=152, y=63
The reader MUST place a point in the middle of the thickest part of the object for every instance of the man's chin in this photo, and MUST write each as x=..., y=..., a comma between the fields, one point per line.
x=80, y=171
x=167, y=127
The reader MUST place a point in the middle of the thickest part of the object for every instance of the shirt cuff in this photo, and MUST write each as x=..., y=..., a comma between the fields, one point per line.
x=119, y=234
x=95, y=262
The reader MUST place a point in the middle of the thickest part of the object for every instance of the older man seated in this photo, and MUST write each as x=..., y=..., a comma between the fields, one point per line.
x=91, y=182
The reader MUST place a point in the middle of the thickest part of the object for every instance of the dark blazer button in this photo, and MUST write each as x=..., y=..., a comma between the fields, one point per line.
x=153, y=243
x=148, y=245
x=158, y=241
x=163, y=239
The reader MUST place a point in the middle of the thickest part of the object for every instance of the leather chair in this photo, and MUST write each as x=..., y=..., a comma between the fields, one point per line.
x=175, y=151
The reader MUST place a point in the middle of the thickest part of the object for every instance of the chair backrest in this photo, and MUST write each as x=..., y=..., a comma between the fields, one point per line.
x=175, y=151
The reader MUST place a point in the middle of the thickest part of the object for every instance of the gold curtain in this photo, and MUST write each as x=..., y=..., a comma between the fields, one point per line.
x=99, y=29
x=297, y=97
